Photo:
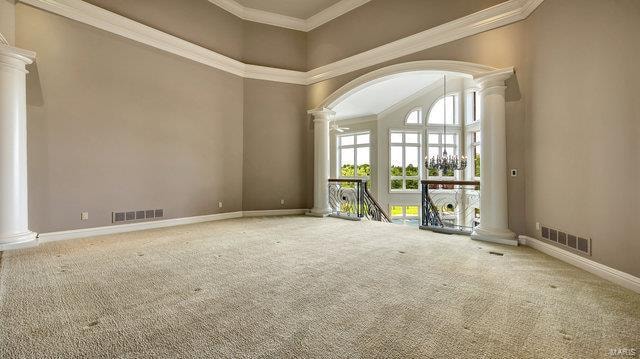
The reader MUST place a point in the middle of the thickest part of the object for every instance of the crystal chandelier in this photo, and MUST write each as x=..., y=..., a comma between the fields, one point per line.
x=445, y=163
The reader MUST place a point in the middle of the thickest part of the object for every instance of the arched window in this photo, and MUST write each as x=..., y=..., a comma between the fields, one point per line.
x=414, y=117
x=436, y=114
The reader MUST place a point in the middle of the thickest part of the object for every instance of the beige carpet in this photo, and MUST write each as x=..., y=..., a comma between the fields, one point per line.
x=306, y=288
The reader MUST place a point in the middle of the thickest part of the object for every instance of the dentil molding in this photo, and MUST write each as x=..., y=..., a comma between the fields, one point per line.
x=484, y=20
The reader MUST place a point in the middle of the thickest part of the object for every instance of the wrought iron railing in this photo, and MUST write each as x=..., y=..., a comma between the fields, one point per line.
x=350, y=198
x=450, y=206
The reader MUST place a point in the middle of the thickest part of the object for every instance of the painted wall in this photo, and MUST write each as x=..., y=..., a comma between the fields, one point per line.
x=583, y=125
x=207, y=25
x=382, y=21
x=276, y=139
x=7, y=20
x=113, y=125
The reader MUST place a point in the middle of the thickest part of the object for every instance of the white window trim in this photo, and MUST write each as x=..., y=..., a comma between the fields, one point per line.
x=404, y=175
x=355, y=147
x=421, y=118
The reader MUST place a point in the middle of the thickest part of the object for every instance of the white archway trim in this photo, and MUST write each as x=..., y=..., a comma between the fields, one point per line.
x=453, y=68
x=496, y=16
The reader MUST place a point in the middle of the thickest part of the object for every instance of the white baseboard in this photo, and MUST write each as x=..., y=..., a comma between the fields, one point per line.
x=613, y=275
x=131, y=227
x=274, y=212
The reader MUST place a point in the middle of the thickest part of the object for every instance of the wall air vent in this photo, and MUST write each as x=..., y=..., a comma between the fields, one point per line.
x=566, y=240
x=138, y=215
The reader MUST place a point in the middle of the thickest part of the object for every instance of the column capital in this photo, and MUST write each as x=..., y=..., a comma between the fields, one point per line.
x=495, y=78
x=322, y=113
x=15, y=58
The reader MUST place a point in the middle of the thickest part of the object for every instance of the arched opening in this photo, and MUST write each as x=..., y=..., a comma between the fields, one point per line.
x=406, y=118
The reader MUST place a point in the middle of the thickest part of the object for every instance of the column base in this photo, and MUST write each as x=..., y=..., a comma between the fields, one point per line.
x=319, y=212
x=500, y=236
x=17, y=241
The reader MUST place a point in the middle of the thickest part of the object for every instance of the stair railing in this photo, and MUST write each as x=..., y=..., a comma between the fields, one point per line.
x=350, y=198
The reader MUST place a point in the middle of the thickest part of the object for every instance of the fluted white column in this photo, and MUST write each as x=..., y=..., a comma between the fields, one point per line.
x=14, y=213
x=494, y=210
x=321, y=119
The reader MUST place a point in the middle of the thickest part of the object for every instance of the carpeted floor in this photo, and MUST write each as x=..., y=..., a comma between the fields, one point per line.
x=306, y=288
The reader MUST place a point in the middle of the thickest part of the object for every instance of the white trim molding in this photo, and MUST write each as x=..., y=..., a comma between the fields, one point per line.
x=499, y=15
x=105, y=20
x=613, y=275
x=496, y=16
x=289, y=22
x=141, y=226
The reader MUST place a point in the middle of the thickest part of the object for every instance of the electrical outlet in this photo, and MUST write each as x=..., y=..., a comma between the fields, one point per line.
x=220, y=204
x=282, y=202
x=514, y=173
x=538, y=226
x=84, y=216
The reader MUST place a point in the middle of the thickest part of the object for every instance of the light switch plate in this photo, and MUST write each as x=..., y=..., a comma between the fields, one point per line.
x=84, y=216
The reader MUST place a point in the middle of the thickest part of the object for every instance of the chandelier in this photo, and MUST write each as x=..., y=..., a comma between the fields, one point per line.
x=445, y=163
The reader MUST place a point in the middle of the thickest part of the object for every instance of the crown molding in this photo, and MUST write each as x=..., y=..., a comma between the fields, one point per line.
x=105, y=20
x=332, y=12
x=263, y=17
x=488, y=19
x=289, y=22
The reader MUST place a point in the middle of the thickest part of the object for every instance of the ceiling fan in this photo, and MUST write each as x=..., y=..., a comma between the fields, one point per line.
x=336, y=127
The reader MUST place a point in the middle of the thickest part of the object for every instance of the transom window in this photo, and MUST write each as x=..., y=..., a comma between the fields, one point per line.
x=414, y=117
x=354, y=155
x=404, y=160
x=436, y=114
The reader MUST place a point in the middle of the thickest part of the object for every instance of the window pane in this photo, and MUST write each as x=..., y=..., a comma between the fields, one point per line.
x=477, y=103
x=412, y=211
x=450, y=109
x=346, y=140
x=411, y=138
x=364, y=165
x=476, y=161
x=436, y=115
x=414, y=117
x=396, y=211
x=363, y=139
x=396, y=184
x=396, y=137
x=412, y=160
x=451, y=139
x=396, y=161
x=412, y=184
x=347, y=162
x=434, y=139
x=433, y=152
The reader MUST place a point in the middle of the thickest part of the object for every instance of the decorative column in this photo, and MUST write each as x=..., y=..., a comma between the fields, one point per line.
x=321, y=119
x=14, y=213
x=494, y=211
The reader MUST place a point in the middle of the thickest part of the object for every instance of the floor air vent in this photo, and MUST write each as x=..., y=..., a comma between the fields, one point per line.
x=571, y=241
x=129, y=216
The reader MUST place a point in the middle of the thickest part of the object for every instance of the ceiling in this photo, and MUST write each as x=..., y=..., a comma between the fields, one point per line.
x=302, y=9
x=375, y=98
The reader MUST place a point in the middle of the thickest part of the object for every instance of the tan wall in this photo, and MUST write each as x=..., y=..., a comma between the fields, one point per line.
x=276, y=139
x=114, y=125
x=380, y=22
x=207, y=25
x=7, y=20
x=583, y=125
